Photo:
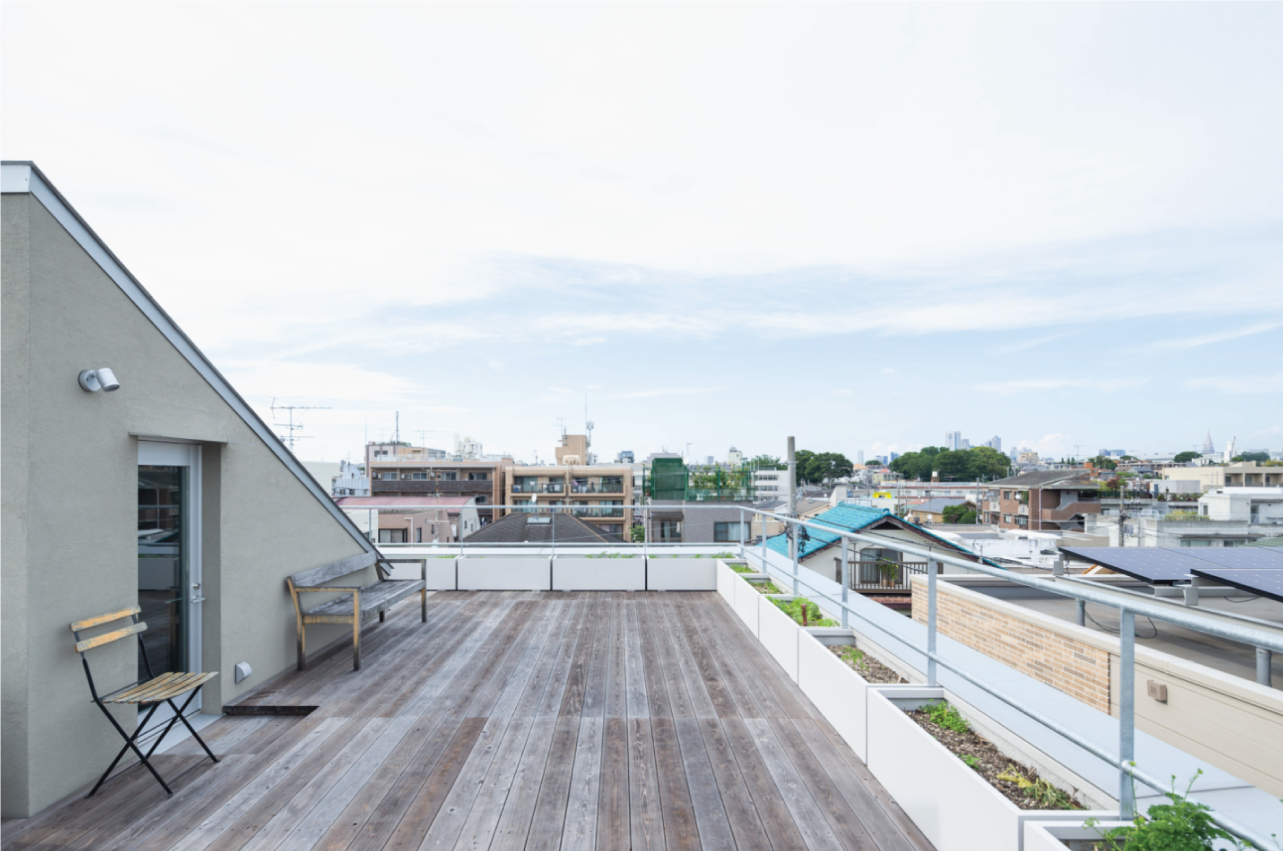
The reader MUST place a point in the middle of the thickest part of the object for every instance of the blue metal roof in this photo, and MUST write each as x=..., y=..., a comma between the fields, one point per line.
x=849, y=518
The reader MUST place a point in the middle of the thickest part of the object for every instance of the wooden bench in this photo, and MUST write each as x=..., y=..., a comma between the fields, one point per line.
x=358, y=603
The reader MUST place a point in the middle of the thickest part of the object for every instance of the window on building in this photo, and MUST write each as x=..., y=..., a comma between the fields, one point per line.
x=418, y=535
x=670, y=531
x=418, y=477
x=478, y=477
x=449, y=476
x=392, y=536
x=728, y=532
x=388, y=476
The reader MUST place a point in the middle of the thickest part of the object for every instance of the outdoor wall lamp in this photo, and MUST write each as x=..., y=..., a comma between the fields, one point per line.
x=102, y=378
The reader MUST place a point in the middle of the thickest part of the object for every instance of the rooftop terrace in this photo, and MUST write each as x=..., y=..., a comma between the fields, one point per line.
x=512, y=720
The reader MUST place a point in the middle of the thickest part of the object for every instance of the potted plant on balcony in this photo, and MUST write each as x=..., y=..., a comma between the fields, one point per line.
x=887, y=574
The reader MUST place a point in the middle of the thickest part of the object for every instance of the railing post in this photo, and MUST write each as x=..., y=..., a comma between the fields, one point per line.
x=931, y=623
x=764, y=570
x=1264, y=658
x=1126, y=713
x=795, y=548
x=1081, y=615
x=845, y=579
x=552, y=527
x=741, y=530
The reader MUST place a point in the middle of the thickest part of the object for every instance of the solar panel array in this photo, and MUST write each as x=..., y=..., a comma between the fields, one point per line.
x=1265, y=581
x=1259, y=570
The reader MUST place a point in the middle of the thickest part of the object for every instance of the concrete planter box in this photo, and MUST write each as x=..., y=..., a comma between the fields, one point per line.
x=504, y=573
x=835, y=689
x=1065, y=835
x=746, y=602
x=778, y=632
x=681, y=573
x=727, y=580
x=954, y=806
x=441, y=574
x=581, y=573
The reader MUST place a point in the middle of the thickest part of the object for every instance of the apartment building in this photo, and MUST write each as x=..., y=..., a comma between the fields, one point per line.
x=1245, y=474
x=1043, y=501
x=600, y=495
x=402, y=470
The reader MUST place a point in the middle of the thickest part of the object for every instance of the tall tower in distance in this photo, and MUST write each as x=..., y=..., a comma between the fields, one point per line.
x=1208, y=447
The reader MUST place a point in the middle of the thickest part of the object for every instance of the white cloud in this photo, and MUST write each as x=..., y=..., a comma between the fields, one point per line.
x=662, y=391
x=1240, y=384
x=1035, y=384
x=1208, y=339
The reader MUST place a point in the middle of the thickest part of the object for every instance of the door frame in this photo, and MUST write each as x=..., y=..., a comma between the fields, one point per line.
x=186, y=454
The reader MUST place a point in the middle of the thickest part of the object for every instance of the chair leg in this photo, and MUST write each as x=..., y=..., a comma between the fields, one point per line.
x=130, y=742
x=182, y=716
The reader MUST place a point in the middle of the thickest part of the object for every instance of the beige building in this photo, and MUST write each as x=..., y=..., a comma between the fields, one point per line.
x=1240, y=475
x=160, y=489
x=599, y=494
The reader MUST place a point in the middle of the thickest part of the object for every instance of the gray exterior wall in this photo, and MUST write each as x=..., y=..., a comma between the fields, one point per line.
x=70, y=509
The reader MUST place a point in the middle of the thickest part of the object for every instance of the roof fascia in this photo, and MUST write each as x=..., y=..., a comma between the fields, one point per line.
x=26, y=178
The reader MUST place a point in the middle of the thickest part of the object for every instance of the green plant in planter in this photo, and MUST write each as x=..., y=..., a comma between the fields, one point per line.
x=944, y=715
x=1182, y=825
x=612, y=555
x=970, y=761
x=741, y=568
x=804, y=612
x=766, y=587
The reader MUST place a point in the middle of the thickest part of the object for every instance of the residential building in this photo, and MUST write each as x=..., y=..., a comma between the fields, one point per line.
x=871, y=563
x=417, y=471
x=932, y=511
x=1043, y=501
x=414, y=519
x=1026, y=456
x=1243, y=474
x=1151, y=528
x=599, y=494
x=772, y=484
x=806, y=508
x=734, y=457
x=1258, y=506
x=350, y=481
x=625, y=457
x=168, y=494
x=542, y=529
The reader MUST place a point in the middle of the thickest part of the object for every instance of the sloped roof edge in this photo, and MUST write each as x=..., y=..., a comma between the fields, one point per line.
x=25, y=177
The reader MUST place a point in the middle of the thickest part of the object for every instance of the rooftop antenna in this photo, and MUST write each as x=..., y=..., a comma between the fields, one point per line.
x=561, y=423
x=290, y=437
x=396, y=435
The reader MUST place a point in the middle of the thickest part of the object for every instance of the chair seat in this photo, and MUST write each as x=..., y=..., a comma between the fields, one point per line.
x=375, y=598
x=161, y=688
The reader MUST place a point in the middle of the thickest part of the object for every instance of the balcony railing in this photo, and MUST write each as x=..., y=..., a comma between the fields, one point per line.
x=428, y=487
x=546, y=487
x=868, y=576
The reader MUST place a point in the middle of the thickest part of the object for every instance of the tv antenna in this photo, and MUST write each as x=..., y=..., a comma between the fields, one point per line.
x=292, y=428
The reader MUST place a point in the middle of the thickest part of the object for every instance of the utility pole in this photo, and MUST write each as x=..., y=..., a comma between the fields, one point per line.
x=291, y=427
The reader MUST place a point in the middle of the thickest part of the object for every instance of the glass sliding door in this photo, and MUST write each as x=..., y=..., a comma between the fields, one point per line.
x=169, y=578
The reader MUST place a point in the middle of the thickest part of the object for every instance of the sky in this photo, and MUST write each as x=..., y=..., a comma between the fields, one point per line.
x=707, y=225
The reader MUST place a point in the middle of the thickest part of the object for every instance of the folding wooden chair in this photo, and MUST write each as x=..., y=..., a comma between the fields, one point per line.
x=150, y=692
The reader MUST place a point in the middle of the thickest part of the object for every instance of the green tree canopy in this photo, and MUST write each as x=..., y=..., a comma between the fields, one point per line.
x=1258, y=457
x=767, y=462
x=1182, y=457
x=1103, y=463
x=961, y=513
x=821, y=467
x=980, y=462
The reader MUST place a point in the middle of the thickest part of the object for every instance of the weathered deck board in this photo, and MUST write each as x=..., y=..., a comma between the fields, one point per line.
x=512, y=720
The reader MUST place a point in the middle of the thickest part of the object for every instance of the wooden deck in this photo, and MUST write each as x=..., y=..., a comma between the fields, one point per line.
x=512, y=720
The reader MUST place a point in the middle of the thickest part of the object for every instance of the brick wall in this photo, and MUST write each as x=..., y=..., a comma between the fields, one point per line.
x=1077, y=669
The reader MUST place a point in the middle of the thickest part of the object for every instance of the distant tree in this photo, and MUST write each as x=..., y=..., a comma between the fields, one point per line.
x=872, y=463
x=1183, y=457
x=803, y=460
x=1103, y=463
x=953, y=465
x=1129, y=458
x=768, y=462
x=988, y=463
x=961, y=513
x=1258, y=457
x=637, y=533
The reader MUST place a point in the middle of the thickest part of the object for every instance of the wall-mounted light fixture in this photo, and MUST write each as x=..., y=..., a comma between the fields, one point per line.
x=94, y=380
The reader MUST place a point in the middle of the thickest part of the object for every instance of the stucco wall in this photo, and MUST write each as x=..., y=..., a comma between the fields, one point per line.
x=80, y=498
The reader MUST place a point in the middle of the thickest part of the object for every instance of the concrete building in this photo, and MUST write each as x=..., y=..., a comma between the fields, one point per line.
x=350, y=481
x=418, y=471
x=772, y=484
x=414, y=519
x=169, y=494
x=1258, y=506
x=1244, y=474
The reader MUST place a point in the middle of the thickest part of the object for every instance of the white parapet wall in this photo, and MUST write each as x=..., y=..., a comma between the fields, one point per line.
x=505, y=573
x=835, y=689
x=778, y=633
x=681, y=573
x=598, y=573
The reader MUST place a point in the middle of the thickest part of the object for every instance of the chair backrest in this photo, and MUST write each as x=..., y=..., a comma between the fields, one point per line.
x=333, y=570
x=107, y=637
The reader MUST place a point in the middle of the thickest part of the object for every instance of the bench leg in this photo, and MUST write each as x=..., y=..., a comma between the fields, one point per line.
x=356, y=644
x=423, y=605
x=381, y=617
x=302, y=647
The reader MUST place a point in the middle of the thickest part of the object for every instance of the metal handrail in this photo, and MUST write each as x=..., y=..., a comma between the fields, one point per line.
x=1124, y=760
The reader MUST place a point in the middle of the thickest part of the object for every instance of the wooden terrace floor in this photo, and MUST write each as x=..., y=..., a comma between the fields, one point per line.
x=512, y=720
